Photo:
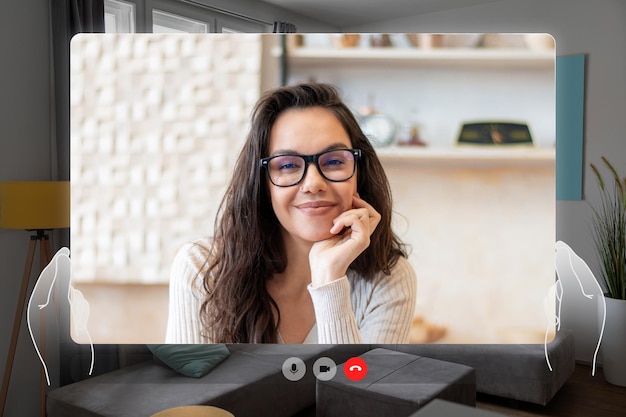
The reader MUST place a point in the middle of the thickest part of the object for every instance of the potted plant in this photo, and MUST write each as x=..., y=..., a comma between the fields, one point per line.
x=609, y=227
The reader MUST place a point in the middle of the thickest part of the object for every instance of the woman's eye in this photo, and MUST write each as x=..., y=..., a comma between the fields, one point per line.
x=287, y=166
x=334, y=163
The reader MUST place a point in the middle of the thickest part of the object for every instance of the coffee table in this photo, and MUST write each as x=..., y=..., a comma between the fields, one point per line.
x=194, y=411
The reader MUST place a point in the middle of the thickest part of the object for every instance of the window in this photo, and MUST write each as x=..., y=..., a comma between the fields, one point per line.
x=229, y=30
x=174, y=16
x=163, y=22
x=119, y=16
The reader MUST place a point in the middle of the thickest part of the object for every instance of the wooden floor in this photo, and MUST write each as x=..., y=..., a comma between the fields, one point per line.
x=582, y=395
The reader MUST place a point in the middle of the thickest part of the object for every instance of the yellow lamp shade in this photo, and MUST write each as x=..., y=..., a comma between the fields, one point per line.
x=35, y=205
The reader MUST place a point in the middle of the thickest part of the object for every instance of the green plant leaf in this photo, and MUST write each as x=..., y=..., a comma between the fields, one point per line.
x=609, y=231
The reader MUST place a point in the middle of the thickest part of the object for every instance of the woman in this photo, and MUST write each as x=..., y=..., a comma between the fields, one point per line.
x=303, y=250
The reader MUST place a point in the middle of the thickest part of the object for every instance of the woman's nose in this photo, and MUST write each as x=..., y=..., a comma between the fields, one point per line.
x=313, y=180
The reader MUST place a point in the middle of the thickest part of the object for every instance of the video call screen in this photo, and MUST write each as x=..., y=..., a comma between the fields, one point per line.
x=158, y=120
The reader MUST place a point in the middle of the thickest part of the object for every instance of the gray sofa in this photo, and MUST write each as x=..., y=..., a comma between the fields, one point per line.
x=518, y=372
x=250, y=381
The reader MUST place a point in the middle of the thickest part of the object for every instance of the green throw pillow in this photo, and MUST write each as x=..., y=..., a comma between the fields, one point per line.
x=191, y=360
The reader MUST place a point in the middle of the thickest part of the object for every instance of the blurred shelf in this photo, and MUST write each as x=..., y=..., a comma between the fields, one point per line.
x=498, y=57
x=467, y=156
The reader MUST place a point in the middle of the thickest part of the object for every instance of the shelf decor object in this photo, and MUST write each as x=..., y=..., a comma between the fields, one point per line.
x=495, y=133
x=380, y=129
x=37, y=207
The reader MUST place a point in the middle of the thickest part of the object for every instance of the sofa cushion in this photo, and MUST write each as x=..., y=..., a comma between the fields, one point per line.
x=190, y=360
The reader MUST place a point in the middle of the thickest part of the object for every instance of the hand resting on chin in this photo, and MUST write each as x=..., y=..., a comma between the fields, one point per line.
x=330, y=258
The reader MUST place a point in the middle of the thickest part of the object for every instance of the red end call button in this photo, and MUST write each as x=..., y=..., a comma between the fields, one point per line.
x=355, y=369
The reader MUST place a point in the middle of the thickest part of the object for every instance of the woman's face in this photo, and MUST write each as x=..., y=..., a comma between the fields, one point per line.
x=307, y=209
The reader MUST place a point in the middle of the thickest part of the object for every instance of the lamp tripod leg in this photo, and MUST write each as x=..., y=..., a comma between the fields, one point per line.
x=17, y=321
x=45, y=256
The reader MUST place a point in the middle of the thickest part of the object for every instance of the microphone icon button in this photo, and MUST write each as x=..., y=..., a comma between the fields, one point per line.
x=294, y=368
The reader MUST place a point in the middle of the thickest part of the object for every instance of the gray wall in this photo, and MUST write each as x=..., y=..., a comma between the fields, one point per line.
x=596, y=28
x=24, y=155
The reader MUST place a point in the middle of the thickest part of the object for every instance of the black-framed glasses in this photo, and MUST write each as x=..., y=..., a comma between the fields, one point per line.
x=335, y=165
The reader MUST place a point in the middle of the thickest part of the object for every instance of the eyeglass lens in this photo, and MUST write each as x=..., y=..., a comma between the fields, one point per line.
x=335, y=165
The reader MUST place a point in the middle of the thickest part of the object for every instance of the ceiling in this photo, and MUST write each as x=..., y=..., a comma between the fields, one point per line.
x=347, y=13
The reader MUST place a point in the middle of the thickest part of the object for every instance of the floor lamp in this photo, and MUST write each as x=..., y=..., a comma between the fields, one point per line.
x=37, y=207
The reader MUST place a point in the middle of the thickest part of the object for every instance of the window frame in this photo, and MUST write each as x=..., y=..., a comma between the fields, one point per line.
x=121, y=9
x=216, y=20
x=181, y=23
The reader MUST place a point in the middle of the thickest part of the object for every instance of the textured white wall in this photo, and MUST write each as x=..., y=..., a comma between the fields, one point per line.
x=156, y=124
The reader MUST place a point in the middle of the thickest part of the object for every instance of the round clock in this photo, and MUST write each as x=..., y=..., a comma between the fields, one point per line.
x=379, y=129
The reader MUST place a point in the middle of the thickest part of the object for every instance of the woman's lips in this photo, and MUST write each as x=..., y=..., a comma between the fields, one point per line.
x=316, y=207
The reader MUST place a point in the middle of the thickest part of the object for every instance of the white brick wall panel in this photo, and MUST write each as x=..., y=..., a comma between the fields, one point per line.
x=182, y=126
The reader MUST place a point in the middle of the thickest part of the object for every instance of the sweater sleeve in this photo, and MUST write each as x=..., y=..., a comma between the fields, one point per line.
x=355, y=310
x=334, y=316
x=185, y=295
x=385, y=306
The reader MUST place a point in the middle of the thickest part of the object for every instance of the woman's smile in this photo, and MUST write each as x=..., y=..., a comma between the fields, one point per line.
x=316, y=208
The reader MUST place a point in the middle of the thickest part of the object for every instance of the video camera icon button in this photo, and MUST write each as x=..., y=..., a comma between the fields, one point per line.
x=294, y=369
x=324, y=369
x=355, y=369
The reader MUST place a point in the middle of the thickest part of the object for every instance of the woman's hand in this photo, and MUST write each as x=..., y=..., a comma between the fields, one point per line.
x=330, y=258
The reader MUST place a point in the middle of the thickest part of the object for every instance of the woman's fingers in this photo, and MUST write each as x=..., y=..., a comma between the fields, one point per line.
x=330, y=258
x=351, y=218
x=363, y=210
x=374, y=216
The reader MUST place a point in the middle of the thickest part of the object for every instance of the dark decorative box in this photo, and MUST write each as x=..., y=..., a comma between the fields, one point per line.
x=495, y=133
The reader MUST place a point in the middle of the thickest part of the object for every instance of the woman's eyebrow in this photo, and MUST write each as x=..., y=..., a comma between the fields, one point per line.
x=337, y=145
x=279, y=152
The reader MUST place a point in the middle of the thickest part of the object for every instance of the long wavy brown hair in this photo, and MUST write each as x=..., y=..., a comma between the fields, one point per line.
x=248, y=248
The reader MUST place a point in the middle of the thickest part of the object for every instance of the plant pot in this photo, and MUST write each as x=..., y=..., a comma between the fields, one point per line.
x=613, y=344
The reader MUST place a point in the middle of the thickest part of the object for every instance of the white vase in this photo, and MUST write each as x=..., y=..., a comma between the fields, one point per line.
x=613, y=345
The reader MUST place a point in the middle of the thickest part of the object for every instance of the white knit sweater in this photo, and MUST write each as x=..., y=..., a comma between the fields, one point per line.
x=348, y=310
